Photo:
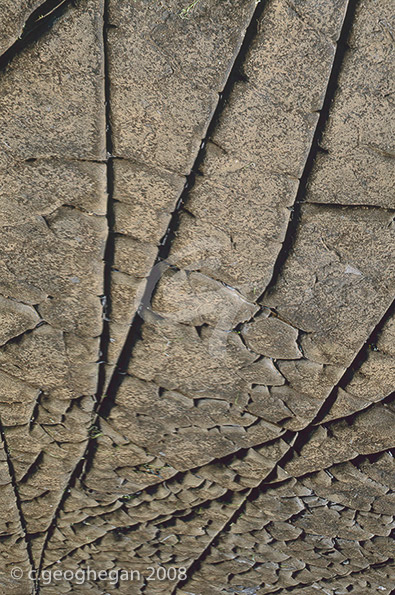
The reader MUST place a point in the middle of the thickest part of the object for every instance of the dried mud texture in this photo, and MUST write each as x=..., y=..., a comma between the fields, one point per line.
x=197, y=340
x=14, y=550
x=324, y=532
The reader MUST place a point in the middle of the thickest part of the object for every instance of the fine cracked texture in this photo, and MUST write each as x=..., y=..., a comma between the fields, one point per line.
x=196, y=278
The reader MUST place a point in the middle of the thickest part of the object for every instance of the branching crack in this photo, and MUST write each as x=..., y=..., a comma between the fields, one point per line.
x=14, y=483
x=250, y=495
x=104, y=401
x=166, y=242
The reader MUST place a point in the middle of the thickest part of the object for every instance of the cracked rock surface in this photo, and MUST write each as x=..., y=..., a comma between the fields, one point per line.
x=196, y=297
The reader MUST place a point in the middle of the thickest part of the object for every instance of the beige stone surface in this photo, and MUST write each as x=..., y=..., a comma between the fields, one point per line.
x=161, y=103
x=232, y=425
x=13, y=15
x=273, y=337
x=49, y=107
x=357, y=166
x=52, y=247
x=328, y=529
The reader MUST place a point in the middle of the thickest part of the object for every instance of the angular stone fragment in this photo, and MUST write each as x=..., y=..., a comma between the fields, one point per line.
x=381, y=469
x=376, y=378
x=144, y=200
x=15, y=319
x=267, y=405
x=317, y=293
x=58, y=260
x=345, y=404
x=41, y=186
x=386, y=339
x=132, y=257
x=370, y=432
x=124, y=291
x=237, y=247
x=308, y=377
x=272, y=337
x=287, y=40
x=193, y=298
x=326, y=17
x=281, y=148
x=49, y=106
x=17, y=401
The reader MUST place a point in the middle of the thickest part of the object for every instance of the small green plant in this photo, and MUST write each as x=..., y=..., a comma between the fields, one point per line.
x=43, y=16
x=184, y=14
x=148, y=468
x=94, y=432
x=128, y=497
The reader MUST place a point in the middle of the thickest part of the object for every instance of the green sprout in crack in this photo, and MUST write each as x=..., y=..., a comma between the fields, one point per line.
x=127, y=497
x=45, y=15
x=148, y=468
x=184, y=14
x=94, y=432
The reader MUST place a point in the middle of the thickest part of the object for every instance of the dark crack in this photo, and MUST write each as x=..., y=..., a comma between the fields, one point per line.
x=355, y=364
x=14, y=483
x=38, y=23
x=341, y=50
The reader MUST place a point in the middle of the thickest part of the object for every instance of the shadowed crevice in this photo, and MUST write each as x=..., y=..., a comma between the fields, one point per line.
x=38, y=23
x=110, y=244
x=106, y=304
x=358, y=360
x=165, y=244
x=342, y=48
x=14, y=483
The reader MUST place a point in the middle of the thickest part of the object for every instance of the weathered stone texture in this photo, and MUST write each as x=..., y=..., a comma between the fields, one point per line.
x=13, y=15
x=319, y=531
x=357, y=165
x=13, y=551
x=249, y=438
x=52, y=246
x=161, y=106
